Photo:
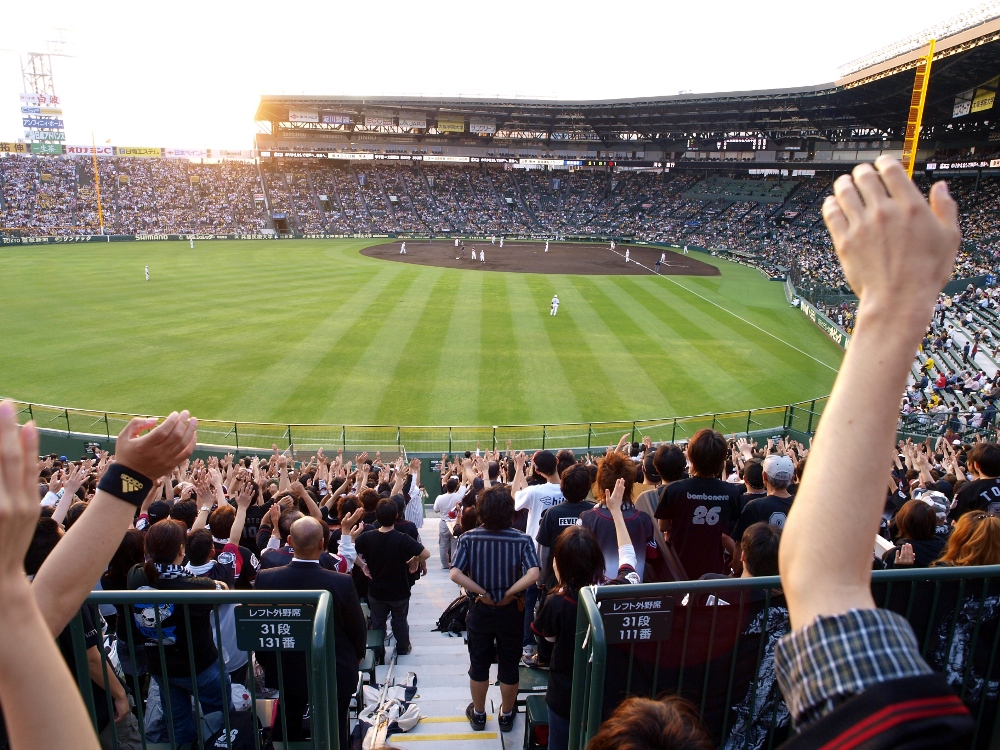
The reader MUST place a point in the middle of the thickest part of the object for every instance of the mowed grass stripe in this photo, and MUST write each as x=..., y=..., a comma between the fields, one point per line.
x=501, y=383
x=421, y=357
x=365, y=386
x=313, y=400
x=293, y=363
x=453, y=383
x=651, y=341
x=537, y=358
x=586, y=377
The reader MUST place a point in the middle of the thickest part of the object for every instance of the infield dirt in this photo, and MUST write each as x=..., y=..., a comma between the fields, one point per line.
x=530, y=257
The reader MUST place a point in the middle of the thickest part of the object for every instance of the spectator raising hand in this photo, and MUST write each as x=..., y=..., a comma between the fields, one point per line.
x=897, y=252
x=34, y=676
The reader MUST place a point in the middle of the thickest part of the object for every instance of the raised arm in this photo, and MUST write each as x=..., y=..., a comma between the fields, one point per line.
x=70, y=572
x=897, y=253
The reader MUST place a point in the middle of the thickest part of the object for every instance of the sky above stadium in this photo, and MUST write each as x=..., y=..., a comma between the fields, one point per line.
x=189, y=74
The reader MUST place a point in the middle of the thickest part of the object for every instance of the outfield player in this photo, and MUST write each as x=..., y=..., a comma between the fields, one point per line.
x=474, y=253
x=402, y=249
x=192, y=243
x=685, y=249
x=493, y=239
x=663, y=257
x=482, y=256
x=147, y=273
x=546, y=245
x=626, y=254
x=555, y=305
x=501, y=240
x=456, y=242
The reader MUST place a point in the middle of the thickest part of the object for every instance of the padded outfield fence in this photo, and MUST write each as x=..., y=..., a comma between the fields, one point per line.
x=802, y=417
x=272, y=627
x=713, y=642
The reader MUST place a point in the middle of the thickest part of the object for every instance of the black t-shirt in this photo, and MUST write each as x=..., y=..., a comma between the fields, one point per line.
x=746, y=497
x=700, y=510
x=555, y=521
x=979, y=494
x=409, y=528
x=175, y=637
x=386, y=553
x=770, y=509
x=255, y=514
x=92, y=637
x=246, y=567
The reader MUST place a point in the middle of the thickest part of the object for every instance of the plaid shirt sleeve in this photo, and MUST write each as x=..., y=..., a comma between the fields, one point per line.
x=835, y=658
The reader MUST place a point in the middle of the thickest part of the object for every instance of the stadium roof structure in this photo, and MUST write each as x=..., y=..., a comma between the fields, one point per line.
x=871, y=102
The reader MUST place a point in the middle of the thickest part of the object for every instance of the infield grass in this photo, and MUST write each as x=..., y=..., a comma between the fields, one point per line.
x=311, y=331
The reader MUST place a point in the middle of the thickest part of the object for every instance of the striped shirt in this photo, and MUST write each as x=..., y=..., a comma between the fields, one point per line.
x=495, y=560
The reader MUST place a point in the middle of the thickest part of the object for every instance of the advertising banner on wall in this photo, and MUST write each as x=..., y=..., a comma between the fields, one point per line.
x=450, y=126
x=332, y=118
x=984, y=100
x=49, y=111
x=29, y=99
x=482, y=125
x=45, y=135
x=48, y=149
x=185, y=153
x=14, y=148
x=454, y=159
x=303, y=115
x=410, y=121
x=42, y=122
x=142, y=151
x=378, y=122
x=89, y=150
x=228, y=153
x=31, y=111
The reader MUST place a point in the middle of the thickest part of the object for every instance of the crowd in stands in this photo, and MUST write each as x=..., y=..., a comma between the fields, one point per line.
x=522, y=537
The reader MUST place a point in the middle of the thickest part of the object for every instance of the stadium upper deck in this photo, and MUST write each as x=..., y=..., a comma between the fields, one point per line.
x=868, y=104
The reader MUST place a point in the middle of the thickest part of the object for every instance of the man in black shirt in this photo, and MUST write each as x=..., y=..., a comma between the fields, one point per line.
x=391, y=556
x=753, y=480
x=771, y=509
x=699, y=513
x=983, y=493
x=575, y=483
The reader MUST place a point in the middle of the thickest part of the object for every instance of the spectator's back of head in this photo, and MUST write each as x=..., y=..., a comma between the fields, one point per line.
x=493, y=470
x=986, y=457
x=451, y=485
x=707, y=452
x=369, y=499
x=760, y=549
x=575, y=483
x=974, y=541
x=545, y=462
x=285, y=521
x=578, y=558
x=221, y=522
x=164, y=543
x=564, y=459
x=671, y=723
x=612, y=467
x=753, y=474
x=916, y=520
x=306, y=536
x=669, y=462
x=199, y=547
x=47, y=535
x=186, y=512
x=649, y=473
x=386, y=512
x=495, y=508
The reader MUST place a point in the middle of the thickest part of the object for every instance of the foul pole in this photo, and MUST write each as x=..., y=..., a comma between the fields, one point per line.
x=920, y=82
x=97, y=183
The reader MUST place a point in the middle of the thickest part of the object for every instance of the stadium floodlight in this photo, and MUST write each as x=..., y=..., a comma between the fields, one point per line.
x=949, y=27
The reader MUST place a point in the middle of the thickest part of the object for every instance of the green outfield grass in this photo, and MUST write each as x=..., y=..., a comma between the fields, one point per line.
x=311, y=331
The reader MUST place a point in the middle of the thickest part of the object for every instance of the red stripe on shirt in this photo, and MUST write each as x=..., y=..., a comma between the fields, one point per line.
x=894, y=715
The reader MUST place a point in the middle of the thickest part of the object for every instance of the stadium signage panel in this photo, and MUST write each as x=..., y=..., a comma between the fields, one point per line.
x=186, y=153
x=31, y=111
x=41, y=122
x=39, y=100
x=983, y=101
x=45, y=135
x=961, y=108
x=491, y=160
x=482, y=125
x=48, y=149
x=225, y=153
x=332, y=118
x=89, y=150
x=411, y=122
x=141, y=151
x=50, y=111
x=378, y=122
x=14, y=148
x=303, y=115
x=450, y=126
x=831, y=329
x=449, y=159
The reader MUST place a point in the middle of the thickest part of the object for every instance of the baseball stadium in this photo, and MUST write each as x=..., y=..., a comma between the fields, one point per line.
x=549, y=332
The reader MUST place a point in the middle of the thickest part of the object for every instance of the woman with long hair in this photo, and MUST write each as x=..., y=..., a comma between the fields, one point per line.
x=975, y=540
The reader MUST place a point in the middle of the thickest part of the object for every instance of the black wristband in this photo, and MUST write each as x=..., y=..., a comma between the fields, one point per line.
x=125, y=484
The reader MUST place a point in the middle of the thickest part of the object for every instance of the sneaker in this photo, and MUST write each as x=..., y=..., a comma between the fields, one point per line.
x=531, y=661
x=506, y=721
x=476, y=719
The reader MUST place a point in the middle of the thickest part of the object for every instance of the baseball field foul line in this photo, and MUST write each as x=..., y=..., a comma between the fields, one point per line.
x=727, y=310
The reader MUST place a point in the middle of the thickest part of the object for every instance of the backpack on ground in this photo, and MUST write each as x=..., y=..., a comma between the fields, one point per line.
x=452, y=620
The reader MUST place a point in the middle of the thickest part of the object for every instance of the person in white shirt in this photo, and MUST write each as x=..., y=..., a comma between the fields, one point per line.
x=482, y=256
x=546, y=245
x=192, y=243
x=402, y=249
x=474, y=253
x=663, y=257
x=626, y=254
x=685, y=249
x=147, y=273
x=537, y=499
x=456, y=242
x=493, y=239
x=555, y=305
x=612, y=244
x=444, y=506
x=501, y=241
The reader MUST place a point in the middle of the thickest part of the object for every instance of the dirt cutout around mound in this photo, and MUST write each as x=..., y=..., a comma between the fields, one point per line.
x=530, y=257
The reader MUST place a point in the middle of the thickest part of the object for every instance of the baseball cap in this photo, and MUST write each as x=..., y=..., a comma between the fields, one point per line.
x=157, y=511
x=779, y=467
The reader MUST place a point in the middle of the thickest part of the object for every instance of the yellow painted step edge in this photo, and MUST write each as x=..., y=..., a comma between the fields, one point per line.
x=447, y=719
x=396, y=738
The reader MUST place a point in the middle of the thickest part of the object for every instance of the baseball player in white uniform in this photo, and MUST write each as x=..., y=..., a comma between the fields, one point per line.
x=402, y=249
x=555, y=305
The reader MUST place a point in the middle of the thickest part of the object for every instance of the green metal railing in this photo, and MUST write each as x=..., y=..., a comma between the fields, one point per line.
x=295, y=613
x=718, y=649
x=260, y=436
